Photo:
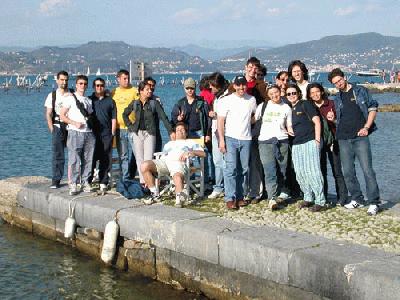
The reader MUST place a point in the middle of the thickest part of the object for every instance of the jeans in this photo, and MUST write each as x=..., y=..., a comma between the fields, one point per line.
x=124, y=148
x=219, y=163
x=273, y=183
x=80, y=155
x=198, y=134
x=256, y=187
x=237, y=167
x=332, y=154
x=350, y=149
x=59, y=137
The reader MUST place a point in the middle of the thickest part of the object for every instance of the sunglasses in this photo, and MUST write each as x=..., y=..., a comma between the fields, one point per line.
x=99, y=85
x=291, y=94
x=189, y=88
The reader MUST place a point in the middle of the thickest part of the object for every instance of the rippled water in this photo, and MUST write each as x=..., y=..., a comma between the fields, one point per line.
x=35, y=268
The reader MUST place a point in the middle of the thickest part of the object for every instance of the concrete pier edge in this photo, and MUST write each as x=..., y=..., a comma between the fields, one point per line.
x=204, y=253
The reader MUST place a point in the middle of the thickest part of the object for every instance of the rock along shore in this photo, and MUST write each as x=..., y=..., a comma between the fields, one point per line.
x=249, y=254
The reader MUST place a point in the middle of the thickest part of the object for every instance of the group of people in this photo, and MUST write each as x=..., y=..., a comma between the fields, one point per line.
x=259, y=141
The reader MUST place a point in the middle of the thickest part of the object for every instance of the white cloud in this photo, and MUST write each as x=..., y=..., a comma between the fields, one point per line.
x=52, y=7
x=344, y=11
x=188, y=16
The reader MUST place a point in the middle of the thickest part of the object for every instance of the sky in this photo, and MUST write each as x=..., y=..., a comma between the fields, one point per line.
x=33, y=23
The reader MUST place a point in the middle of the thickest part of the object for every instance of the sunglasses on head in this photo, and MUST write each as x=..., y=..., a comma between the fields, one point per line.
x=291, y=94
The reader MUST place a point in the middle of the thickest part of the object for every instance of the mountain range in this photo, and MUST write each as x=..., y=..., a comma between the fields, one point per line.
x=358, y=51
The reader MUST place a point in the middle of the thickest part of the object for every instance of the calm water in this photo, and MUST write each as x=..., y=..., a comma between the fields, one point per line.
x=53, y=271
x=35, y=268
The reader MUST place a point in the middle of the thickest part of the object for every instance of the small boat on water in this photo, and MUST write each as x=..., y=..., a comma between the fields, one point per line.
x=370, y=72
x=98, y=73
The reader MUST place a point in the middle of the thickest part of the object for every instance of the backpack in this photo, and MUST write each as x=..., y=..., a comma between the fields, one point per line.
x=130, y=189
x=257, y=125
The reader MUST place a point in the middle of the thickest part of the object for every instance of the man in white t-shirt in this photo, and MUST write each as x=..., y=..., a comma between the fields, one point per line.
x=235, y=113
x=172, y=163
x=57, y=128
x=81, y=140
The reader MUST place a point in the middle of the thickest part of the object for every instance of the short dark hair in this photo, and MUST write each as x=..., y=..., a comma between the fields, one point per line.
x=149, y=78
x=318, y=86
x=81, y=77
x=262, y=70
x=335, y=72
x=278, y=76
x=302, y=66
x=98, y=79
x=254, y=61
x=180, y=123
x=64, y=73
x=217, y=80
x=204, y=83
x=295, y=86
x=122, y=72
x=142, y=85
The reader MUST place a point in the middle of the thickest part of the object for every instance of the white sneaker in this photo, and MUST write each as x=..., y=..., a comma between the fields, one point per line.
x=283, y=196
x=373, y=210
x=73, y=189
x=353, y=204
x=103, y=187
x=148, y=201
x=215, y=194
x=180, y=199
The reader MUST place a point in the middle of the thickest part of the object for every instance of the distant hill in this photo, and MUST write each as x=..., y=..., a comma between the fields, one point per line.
x=357, y=51
x=364, y=50
x=213, y=53
x=108, y=56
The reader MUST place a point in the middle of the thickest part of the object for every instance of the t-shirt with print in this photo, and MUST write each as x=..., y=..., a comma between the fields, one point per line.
x=237, y=112
x=122, y=98
x=75, y=114
x=352, y=119
x=303, y=127
x=174, y=149
x=276, y=118
x=60, y=98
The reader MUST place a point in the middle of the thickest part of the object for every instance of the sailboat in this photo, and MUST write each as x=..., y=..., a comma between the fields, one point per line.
x=98, y=73
x=88, y=71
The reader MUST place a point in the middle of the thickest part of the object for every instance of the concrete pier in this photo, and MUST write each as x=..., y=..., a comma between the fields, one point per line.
x=202, y=252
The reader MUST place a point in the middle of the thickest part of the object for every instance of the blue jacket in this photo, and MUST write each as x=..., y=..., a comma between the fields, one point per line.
x=363, y=100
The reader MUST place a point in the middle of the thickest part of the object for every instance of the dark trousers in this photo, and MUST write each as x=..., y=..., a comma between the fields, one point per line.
x=102, y=154
x=59, y=138
x=332, y=154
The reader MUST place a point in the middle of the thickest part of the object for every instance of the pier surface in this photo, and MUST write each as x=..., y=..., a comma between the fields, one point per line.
x=219, y=254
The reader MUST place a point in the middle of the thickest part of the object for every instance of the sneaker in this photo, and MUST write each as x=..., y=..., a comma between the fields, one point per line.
x=317, y=208
x=73, y=189
x=152, y=199
x=353, y=204
x=373, y=209
x=103, y=187
x=215, y=195
x=272, y=204
x=283, y=196
x=180, y=199
x=55, y=185
x=87, y=188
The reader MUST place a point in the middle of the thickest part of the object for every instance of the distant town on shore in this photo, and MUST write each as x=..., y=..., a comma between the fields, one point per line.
x=352, y=53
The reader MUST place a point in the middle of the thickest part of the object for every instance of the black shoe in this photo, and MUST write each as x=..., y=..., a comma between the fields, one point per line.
x=55, y=185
